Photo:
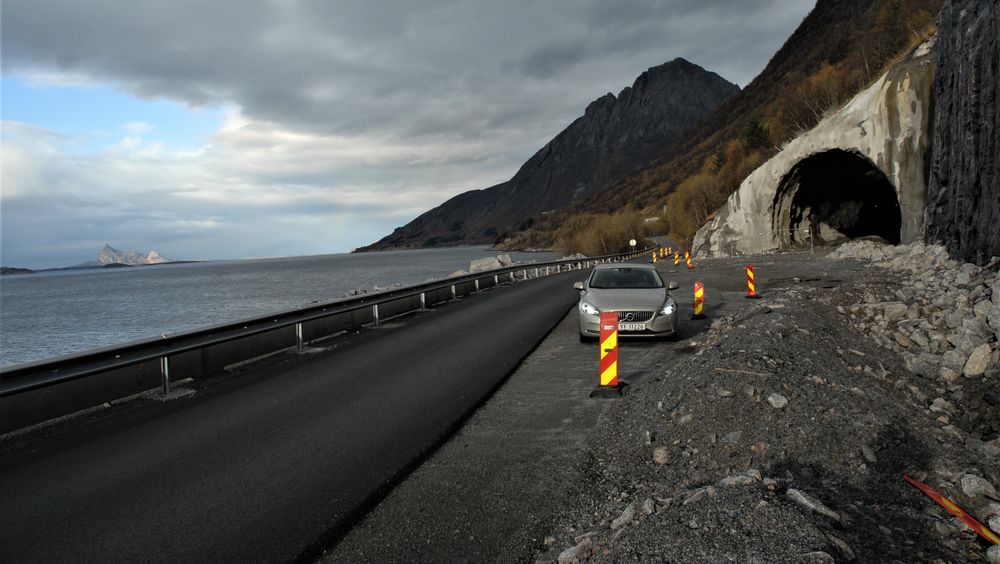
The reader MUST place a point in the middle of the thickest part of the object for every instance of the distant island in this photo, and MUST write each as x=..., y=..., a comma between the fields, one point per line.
x=7, y=270
x=112, y=256
x=109, y=257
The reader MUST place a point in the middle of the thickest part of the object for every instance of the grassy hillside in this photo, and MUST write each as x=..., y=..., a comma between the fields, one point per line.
x=840, y=47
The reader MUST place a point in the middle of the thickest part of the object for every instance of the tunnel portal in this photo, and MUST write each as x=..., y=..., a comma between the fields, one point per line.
x=833, y=196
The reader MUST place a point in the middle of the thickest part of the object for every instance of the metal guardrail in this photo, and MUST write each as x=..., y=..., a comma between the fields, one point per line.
x=32, y=376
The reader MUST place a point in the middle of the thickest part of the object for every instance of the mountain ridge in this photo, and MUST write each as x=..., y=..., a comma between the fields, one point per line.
x=615, y=134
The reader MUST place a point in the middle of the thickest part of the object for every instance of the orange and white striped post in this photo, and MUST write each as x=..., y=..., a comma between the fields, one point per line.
x=699, y=301
x=609, y=349
x=751, y=284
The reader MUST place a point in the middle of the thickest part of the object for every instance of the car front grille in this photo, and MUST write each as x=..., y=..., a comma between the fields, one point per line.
x=635, y=316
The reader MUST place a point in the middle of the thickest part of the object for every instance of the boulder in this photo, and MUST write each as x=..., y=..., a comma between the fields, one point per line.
x=978, y=361
x=486, y=264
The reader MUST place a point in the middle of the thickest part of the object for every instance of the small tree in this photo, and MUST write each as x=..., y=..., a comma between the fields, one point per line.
x=756, y=135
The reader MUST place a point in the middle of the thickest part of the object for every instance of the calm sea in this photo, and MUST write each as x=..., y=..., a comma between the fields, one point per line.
x=48, y=314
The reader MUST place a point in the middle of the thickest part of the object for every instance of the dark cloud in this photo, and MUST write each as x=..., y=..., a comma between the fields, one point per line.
x=392, y=65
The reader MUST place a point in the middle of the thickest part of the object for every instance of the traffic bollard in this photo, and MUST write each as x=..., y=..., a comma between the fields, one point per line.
x=751, y=284
x=699, y=301
x=608, y=385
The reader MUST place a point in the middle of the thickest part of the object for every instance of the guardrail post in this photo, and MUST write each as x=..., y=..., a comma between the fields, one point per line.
x=298, y=338
x=423, y=301
x=524, y=274
x=165, y=375
x=375, y=313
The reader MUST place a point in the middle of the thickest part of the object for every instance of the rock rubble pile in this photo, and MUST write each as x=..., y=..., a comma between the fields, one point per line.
x=941, y=316
x=781, y=429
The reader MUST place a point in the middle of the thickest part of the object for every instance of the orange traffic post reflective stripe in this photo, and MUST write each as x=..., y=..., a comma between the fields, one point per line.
x=955, y=510
x=609, y=349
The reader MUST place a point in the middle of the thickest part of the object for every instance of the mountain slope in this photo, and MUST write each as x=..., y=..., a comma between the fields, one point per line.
x=838, y=49
x=615, y=136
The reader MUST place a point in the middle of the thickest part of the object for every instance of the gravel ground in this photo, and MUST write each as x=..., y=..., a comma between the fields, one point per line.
x=782, y=433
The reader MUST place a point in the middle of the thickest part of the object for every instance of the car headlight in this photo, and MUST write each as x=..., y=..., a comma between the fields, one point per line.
x=588, y=308
x=669, y=307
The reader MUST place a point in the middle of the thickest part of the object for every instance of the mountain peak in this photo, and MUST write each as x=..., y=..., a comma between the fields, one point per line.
x=614, y=136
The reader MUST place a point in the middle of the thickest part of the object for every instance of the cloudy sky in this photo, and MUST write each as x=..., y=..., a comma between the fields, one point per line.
x=212, y=129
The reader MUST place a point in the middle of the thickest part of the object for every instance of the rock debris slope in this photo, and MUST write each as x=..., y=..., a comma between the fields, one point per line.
x=783, y=432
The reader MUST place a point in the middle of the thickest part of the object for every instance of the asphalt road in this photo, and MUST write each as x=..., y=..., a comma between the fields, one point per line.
x=270, y=466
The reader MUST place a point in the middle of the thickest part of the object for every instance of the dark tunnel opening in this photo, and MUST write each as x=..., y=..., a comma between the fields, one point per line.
x=833, y=196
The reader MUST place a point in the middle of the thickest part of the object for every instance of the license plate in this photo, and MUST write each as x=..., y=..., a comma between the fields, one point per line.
x=631, y=326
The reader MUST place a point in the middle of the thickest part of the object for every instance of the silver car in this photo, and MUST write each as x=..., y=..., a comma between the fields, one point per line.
x=636, y=291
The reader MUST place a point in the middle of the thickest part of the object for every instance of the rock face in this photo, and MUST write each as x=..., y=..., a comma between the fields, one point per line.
x=859, y=172
x=614, y=136
x=111, y=255
x=963, y=193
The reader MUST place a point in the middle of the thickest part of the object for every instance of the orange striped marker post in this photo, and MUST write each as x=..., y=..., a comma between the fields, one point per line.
x=751, y=284
x=699, y=301
x=608, y=375
x=654, y=257
x=677, y=259
x=687, y=259
x=955, y=510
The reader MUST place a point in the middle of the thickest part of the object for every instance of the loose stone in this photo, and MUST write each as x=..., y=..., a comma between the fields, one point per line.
x=993, y=554
x=974, y=486
x=648, y=506
x=576, y=553
x=625, y=518
x=804, y=500
x=978, y=361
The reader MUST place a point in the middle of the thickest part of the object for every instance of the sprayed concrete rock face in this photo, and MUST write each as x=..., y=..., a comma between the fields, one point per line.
x=859, y=172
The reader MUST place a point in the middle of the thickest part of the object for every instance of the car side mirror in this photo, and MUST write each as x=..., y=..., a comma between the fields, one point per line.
x=578, y=286
x=672, y=285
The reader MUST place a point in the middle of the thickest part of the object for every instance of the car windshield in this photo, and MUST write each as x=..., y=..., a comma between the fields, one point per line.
x=607, y=278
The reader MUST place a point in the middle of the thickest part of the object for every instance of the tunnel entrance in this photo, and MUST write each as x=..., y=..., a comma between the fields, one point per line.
x=834, y=196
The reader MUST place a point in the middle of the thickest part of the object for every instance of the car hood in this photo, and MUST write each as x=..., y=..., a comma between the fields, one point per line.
x=626, y=300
